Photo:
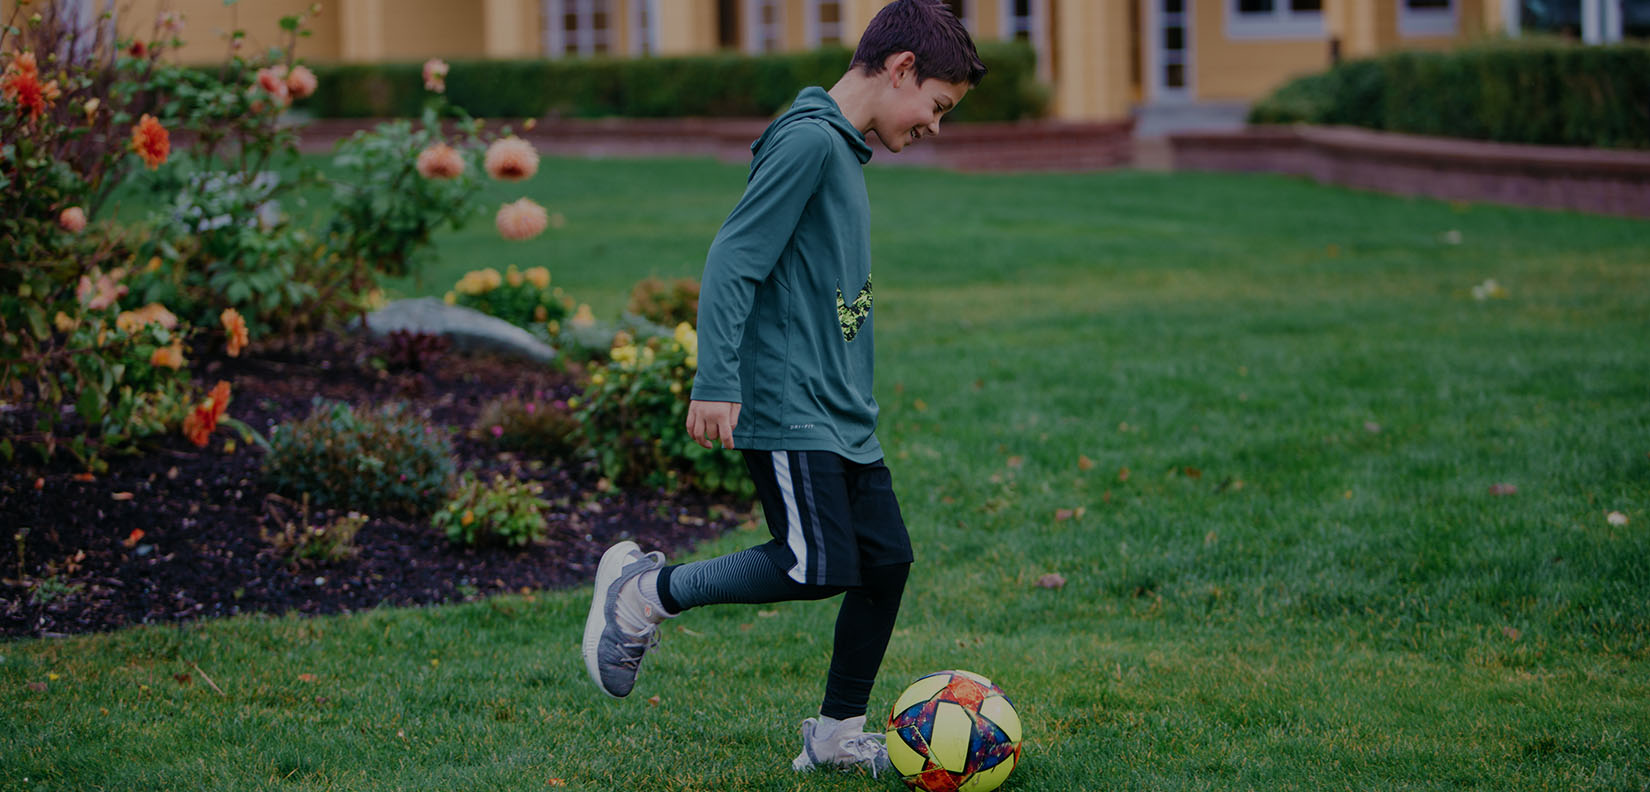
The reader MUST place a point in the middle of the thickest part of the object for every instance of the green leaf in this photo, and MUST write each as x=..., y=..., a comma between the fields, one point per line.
x=289, y=23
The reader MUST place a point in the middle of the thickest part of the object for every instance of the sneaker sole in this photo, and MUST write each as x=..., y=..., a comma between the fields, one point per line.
x=612, y=564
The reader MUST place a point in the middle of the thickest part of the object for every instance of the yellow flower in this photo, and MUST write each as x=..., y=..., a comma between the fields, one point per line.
x=473, y=283
x=469, y=517
x=513, y=277
x=598, y=378
x=491, y=278
x=625, y=355
x=539, y=276
x=647, y=356
x=539, y=314
x=693, y=361
x=554, y=327
x=583, y=317
x=64, y=323
x=688, y=338
x=450, y=299
x=154, y=264
x=622, y=338
x=675, y=387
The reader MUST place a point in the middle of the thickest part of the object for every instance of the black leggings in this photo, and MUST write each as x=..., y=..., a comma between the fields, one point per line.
x=863, y=625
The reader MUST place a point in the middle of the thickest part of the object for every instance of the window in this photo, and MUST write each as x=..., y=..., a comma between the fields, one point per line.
x=1020, y=22
x=1426, y=17
x=1026, y=20
x=644, y=37
x=824, y=23
x=577, y=28
x=1264, y=19
x=764, y=27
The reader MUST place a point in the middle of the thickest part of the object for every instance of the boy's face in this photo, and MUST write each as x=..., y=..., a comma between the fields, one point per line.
x=912, y=110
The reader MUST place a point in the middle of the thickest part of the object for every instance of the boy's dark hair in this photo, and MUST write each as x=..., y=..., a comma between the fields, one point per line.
x=928, y=29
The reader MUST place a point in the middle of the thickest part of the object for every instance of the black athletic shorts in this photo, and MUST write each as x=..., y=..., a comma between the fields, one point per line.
x=829, y=516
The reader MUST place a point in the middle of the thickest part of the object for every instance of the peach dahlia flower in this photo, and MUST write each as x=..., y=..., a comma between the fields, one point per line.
x=512, y=159
x=521, y=220
x=72, y=219
x=435, y=75
x=440, y=161
x=272, y=81
x=234, y=326
x=301, y=82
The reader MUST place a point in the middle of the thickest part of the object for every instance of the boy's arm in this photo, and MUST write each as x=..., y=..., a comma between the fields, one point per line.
x=782, y=181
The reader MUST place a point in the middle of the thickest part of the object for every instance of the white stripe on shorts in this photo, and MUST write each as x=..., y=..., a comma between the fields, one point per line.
x=794, y=538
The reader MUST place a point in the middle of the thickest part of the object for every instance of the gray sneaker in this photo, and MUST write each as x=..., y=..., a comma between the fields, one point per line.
x=621, y=627
x=845, y=748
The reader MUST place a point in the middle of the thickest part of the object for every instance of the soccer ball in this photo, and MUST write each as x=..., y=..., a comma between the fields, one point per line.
x=953, y=731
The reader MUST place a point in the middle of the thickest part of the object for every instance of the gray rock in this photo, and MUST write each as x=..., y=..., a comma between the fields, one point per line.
x=465, y=328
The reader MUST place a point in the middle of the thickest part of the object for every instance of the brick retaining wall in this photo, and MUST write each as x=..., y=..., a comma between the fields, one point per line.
x=1556, y=177
x=1024, y=146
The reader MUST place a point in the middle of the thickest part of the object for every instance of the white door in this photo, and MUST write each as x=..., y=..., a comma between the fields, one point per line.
x=1169, y=49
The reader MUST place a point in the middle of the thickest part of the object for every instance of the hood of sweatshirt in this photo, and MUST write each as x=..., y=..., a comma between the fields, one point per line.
x=814, y=102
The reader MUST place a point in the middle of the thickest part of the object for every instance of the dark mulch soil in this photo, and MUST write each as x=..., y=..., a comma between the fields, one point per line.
x=70, y=561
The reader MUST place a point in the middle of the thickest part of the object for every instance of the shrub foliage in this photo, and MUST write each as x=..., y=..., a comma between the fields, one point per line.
x=383, y=461
x=1545, y=92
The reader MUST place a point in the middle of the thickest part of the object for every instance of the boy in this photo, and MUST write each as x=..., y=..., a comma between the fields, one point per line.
x=785, y=362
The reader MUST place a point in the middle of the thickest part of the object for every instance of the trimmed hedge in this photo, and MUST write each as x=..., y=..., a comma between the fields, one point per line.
x=721, y=85
x=1545, y=93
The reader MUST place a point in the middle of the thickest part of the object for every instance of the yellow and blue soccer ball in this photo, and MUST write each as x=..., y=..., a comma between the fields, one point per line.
x=954, y=731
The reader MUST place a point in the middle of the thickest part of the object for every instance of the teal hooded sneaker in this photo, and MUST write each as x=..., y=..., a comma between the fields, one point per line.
x=622, y=626
x=843, y=745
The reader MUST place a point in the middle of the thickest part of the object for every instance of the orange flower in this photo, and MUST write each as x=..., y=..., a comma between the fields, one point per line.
x=301, y=82
x=511, y=159
x=435, y=75
x=153, y=313
x=21, y=83
x=72, y=219
x=169, y=356
x=151, y=142
x=235, y=327
x=199, y=424
x=273, y=82
x=521, y=220
x=440, y=161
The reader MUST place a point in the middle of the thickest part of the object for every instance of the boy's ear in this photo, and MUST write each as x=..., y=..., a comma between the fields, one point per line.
x=900, y=66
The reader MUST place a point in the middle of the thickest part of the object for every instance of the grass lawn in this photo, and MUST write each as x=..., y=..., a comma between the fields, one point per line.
x=1274, y=409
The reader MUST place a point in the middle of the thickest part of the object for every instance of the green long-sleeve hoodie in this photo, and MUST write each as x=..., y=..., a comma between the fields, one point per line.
x=785, y=325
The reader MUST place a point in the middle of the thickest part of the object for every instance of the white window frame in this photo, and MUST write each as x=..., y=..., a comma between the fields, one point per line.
x=756, y=33
x=1281, y=23
x=815, y=30
x=1414, y=23
x=644, y=38
x=587, y=37
x=1035, y=28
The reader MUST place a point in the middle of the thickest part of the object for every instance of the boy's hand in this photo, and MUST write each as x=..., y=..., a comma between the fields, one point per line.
x=709, y=420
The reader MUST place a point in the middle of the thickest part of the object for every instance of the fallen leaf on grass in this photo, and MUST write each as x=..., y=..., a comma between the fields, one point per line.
x=1122, y=474
x=767, y=614
x=1503, y=489
x=182, y=679
x=1512, y=633
x=920, y=405
x=1616, y=518
x=311, y=677
x=1052, y=580
x=1016, y=461
x=1192, y=472
x=1061, y=515
x=654, y=700
x=1084, y=463
x=557, y=782
x=38, y=687
x=1372, y=427
x=1210, y=538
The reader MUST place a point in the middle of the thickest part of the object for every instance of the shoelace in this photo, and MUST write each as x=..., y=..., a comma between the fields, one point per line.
x=866, y=748
x=634, y=650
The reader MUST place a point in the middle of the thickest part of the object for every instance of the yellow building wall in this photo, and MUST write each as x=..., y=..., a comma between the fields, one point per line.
x=206, y=22
x=1225, y=69
x=419, y=29
x=687, y=27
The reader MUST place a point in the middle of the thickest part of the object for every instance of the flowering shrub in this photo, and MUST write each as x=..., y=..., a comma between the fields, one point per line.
x=668, y=304
x=377, y=461
x=524, y=299
x=505, y=511
x=535, y=425
x=634, y=413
